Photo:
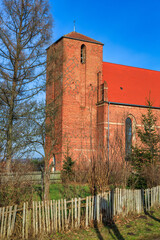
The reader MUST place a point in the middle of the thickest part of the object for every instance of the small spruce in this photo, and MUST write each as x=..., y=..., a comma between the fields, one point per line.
x=147, y=152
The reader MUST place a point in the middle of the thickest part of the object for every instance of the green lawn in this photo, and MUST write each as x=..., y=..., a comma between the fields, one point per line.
x=58, y=191
x=142, y=227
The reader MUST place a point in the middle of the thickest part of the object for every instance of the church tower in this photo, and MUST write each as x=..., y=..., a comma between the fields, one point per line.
x=74, y=73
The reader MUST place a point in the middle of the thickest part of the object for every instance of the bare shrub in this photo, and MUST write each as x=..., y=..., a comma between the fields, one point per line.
x=152, y=175
x=109, y=170
x=14, y=189
x=81, y=170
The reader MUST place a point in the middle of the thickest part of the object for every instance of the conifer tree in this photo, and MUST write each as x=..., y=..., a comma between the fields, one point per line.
x=146, y=153
x=67, y=171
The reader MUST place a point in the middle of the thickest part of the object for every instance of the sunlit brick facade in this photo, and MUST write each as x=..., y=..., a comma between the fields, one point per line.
x=95, y=98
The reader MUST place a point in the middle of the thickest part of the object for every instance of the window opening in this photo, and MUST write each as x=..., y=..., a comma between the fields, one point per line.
x=54, y=164
x=83, y=53
x=128, y=137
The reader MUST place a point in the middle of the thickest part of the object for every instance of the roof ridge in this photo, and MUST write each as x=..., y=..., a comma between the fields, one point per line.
x=79, y=36
x=123, y=65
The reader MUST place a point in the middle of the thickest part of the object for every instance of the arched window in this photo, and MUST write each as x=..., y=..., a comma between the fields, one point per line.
x=83, y=53
x=128, y=137
x=54, y=163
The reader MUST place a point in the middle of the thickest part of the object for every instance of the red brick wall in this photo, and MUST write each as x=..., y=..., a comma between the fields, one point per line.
x=117, y=117
x=54, y=96
x=81, y=124
x=80, y=98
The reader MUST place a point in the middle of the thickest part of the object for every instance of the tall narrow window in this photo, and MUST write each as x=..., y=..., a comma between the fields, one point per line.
x=128, y=136
x=83, y=53
x=102, y=91
x=98, y=80
x=100, y=88
x=54, y=164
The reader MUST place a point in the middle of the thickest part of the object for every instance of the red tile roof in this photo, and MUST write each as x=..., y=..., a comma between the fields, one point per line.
x=81, y=37
x=131, y=85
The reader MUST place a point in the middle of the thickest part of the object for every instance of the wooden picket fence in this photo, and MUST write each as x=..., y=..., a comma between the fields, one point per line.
x=61, y=215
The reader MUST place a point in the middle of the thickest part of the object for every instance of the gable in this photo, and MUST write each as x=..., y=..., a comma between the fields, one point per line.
x=131, y=85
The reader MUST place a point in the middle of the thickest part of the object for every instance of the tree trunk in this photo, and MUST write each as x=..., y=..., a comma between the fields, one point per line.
x=9, y=139
x=10, y=123
x=46, y=184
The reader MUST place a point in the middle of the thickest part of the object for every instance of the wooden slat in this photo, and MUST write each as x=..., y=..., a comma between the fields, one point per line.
x=72, y=212
x=43, y=216
x=59, y=215
x=62, y=215
x=34, y=221
x=65, y=214
x=98, y=217
x=48, y=215
x=5, y=222
x=13, y=218
x=90, y=208
x=23, y=223
x=9, y=222
x=86, y=211
x=79, y=211
x=2, y=221
x=75, y=205
x=56, y=213
x=51, y=205
x=27, y=220
x=40, y=216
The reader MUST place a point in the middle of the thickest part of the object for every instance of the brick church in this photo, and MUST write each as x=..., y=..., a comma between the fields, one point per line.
x=100, y=104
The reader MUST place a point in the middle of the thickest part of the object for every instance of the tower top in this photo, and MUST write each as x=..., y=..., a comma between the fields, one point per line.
x=78, y=36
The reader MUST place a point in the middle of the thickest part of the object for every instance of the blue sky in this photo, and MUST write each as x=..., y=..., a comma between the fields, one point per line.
x=129, y=29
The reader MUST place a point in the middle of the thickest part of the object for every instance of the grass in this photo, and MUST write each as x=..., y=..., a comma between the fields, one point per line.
x=58, y=191
x=141, y=227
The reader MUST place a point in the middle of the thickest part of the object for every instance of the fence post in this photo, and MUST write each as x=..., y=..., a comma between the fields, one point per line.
x=27, y=220
x=36, y=218
x=72, y=212
x=56, y=212
x=5, y=221
x=79, y=212
x=92, y=213
x=75, y=212
x=62, y=214
x=14, y=218
x=46, y=215
x=9, y=221
x=86, y=211
x=51, y=205
x=23, y=223
x=59, y=215
x=65, y=214
x=90, y=209
x=43, y=216
x=33, y=214
x=97, y=207
x=149, y=198
x=115, y=196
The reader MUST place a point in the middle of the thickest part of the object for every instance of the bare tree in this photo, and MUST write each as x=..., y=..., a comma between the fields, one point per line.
x=41, y=138
x=25, y=29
